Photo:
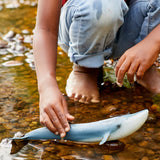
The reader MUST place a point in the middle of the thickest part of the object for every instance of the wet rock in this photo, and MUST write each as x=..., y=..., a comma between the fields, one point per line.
x=2, y=120
x=151, y=130
x=28, y=39
x=143, y=144
x=108, y=109
x=25, y=31
x=155, y=108
x=115, y=101
x=34, y=4
x=18, y=38
x=3, y=51
x=7, y=125
x=145, y=158
x=104, y=102
x=12, y=63
x=154, y=146
x=58, y=78
x=7, y=57
x=13, y=5
x=132, y=153
x=9, y=36
x=138, y=137
x=2, y=129
x=107, y=157
x=60, y=53
x=68, y=157
x=32, y=65
x=149, y=152
x=20, y=48
x=118, y=113
x=18, y=134
x=151, y=118
x=29, y=55
x=3, y=44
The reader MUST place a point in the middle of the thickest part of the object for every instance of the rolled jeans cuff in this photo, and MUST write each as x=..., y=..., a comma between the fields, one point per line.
x=93, y=60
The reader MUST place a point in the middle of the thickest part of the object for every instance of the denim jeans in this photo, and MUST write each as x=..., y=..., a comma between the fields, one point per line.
x=93, y=30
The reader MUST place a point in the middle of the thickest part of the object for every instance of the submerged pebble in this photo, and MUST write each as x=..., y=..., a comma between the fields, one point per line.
x=13, y=5
x=25, y=31
x=9, y=35
x=12, y=63
x=3, y=44
x=108, y=109
x=3, y=51
x=145, y=158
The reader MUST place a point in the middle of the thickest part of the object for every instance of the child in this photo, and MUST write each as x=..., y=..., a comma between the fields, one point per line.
x=89, y=32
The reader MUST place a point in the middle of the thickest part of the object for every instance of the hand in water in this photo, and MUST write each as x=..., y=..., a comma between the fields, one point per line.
x=54, y=111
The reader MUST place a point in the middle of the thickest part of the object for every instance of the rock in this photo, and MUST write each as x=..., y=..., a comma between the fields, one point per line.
x=151, y=118
x=145, y=158
x=68, y=157
x=155, y=108
x=138, y=137
x=25, y=31
x=151, y=130
x=33, y=4
x=9, y=36
x=13, y=5
x=8, y=126
x=20, y=48
x=132, y=152
x=108, y=109
x=12, y=63
x=115, y=101
x=18, y=134
x=28, y=39
x=3, y=44
x=19, y=38
x=3, y=51
x=7, y=57
x=107, y=157
x=118, y=113
x=143, y=144
x=60, y=53
x=149, y=152
x=153, y=146
x=29, y=55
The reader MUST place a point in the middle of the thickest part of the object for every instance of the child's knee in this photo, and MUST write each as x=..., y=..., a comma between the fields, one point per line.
x=104, y=14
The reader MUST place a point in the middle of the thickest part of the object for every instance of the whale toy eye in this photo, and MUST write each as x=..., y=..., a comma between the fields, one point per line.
x=118, y=126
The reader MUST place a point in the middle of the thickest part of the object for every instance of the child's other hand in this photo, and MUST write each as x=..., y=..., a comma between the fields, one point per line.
x=54, y=111
x=136, y=60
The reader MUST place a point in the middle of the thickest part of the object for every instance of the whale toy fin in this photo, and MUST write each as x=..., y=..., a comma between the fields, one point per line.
x=105, y=138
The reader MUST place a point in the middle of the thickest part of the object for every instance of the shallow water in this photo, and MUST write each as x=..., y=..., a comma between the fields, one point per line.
x=19, y=104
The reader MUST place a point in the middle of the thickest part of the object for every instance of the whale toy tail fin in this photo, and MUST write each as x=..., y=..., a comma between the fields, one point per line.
x=17, y=145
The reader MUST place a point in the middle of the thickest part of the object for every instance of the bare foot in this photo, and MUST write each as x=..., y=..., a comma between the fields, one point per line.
x=82, y=84
x=151, y=80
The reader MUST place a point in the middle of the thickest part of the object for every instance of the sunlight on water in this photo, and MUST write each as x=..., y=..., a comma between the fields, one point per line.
x=5, y=149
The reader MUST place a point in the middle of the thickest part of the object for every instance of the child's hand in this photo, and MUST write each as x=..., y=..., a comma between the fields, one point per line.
x=136, y=60
x=53, y=111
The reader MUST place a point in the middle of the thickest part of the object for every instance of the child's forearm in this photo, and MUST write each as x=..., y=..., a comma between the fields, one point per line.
x=153, y=39
x=45, y=42
x=45, y=54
